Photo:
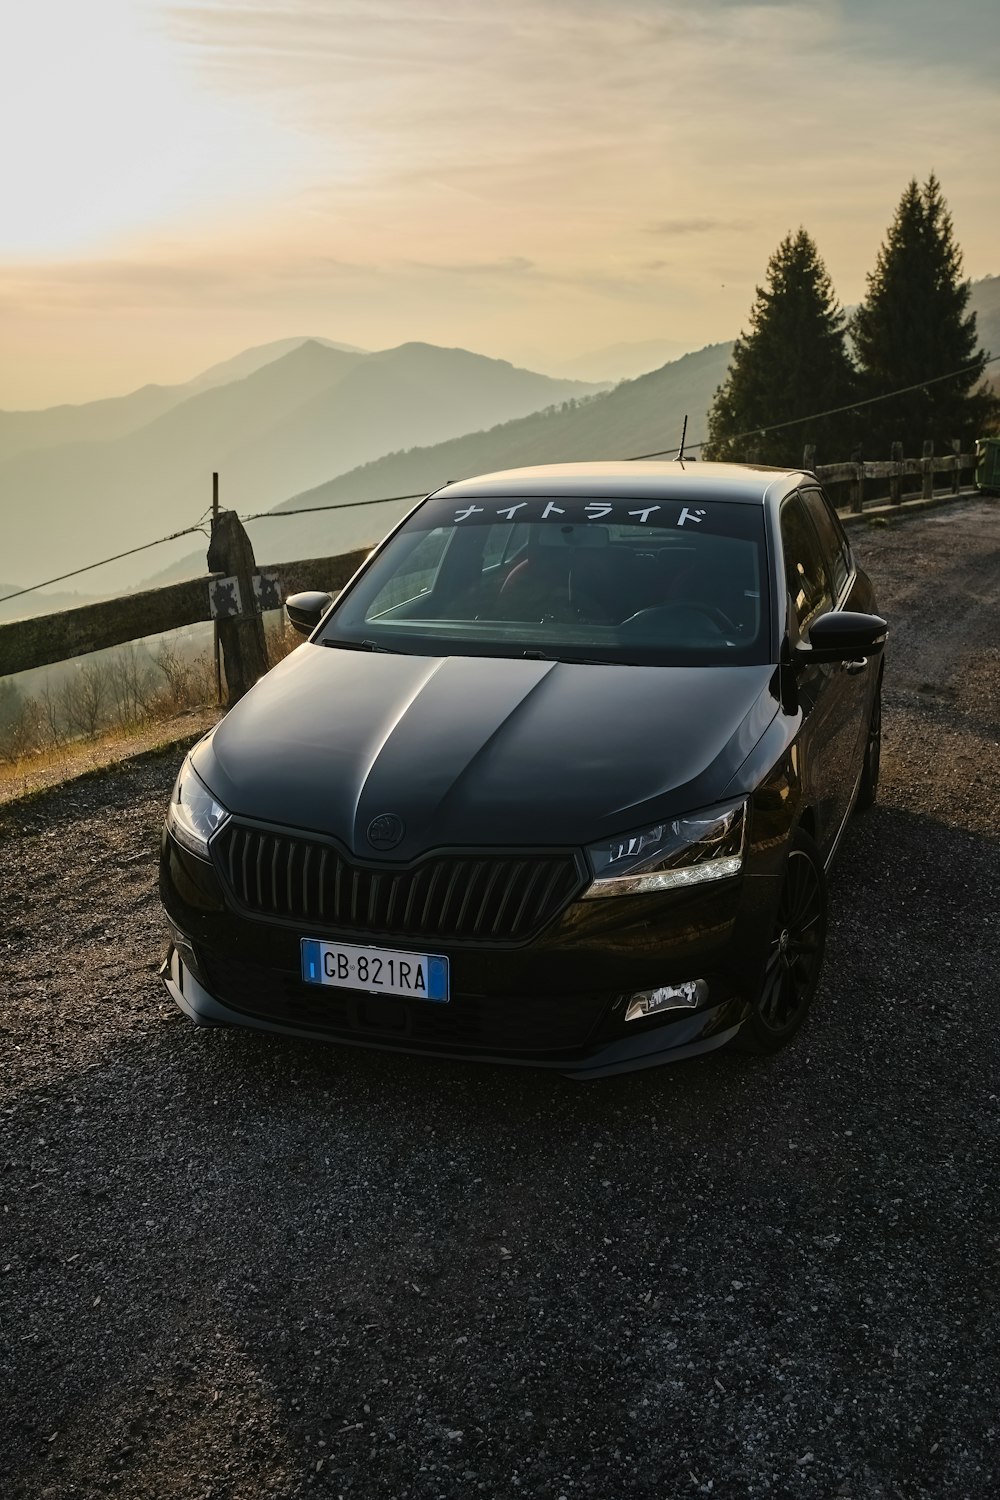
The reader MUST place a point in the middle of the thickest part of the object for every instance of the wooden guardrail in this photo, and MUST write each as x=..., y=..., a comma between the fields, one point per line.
x=38, y=642
x=236, y=590
x=896, y=470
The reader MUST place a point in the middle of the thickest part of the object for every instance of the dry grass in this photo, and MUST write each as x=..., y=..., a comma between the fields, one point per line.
x=55, y=764
x=110, y=709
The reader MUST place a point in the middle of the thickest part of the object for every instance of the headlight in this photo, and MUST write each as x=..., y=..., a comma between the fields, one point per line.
x=702, y=846
x=193, y=814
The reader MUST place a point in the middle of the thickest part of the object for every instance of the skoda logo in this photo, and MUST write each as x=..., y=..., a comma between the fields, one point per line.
x=385, y=831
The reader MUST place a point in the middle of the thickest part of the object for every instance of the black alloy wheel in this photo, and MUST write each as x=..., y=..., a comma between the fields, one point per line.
x=795, y=954
x=868, y=785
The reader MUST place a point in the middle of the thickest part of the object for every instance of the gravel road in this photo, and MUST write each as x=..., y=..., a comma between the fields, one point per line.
x=245, y=1268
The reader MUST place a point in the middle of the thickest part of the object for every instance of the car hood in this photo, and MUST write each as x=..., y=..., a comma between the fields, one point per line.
x=481, y=750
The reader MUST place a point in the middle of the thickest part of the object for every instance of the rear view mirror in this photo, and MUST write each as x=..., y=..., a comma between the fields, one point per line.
x=306, y=610
x=842, y=635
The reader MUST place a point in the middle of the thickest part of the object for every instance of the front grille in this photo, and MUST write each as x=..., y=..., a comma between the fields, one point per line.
x=507, y=1026
x=472, y=897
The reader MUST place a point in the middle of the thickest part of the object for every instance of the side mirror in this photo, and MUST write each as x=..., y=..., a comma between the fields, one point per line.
x=306, y=610
x=842, y=635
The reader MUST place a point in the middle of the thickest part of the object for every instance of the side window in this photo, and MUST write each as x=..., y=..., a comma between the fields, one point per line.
x=806, y=575
x=831, y=537
x=845, y=546
x=417, y=574
x=497, y=543
x=517, y=542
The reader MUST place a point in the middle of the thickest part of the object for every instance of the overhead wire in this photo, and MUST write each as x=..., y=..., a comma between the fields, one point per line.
x=310, y=510
x=174, y=535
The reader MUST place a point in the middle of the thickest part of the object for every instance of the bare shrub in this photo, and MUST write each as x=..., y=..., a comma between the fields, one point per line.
x=11, y=701
x=85, y=698
x=20, y=724
x=133, y=686
x=52, y=722
x=189, y=680
x=203, y=684
x=176, y=669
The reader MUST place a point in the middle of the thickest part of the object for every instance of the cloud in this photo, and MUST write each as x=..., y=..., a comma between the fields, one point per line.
x=199, y=281
x=511, y=265
x=543, y=172
x=681, y=227
x=114, y=133
x=518, y=270
x=549, y=125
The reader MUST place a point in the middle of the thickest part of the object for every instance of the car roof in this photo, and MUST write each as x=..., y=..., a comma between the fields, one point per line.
x=663, y=479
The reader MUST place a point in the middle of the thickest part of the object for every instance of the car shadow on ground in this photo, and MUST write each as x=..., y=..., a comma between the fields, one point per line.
x=374, y=1274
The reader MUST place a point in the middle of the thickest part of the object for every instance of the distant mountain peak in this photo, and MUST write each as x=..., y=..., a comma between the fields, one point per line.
x=249, y=361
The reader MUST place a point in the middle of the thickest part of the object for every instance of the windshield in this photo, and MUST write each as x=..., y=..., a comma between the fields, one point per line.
x=620, y=580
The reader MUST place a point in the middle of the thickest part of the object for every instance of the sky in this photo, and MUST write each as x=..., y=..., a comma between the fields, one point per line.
x=529, y=180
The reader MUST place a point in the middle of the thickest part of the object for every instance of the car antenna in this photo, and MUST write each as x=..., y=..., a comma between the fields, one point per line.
x=684, y=429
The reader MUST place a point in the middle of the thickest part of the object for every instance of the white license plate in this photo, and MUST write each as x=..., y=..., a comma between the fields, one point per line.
x=381, y=971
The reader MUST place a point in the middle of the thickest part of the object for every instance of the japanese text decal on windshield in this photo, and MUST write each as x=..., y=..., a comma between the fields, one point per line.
x=664, y=514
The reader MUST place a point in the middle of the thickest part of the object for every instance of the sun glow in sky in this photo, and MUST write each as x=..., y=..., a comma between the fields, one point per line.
x=116, y=135
x=528, y=179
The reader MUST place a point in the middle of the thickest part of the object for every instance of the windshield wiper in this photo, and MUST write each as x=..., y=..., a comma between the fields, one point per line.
x=573, y=661
x=360, y=646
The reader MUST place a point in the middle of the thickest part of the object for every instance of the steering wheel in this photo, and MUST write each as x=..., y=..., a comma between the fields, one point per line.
x=723, y=624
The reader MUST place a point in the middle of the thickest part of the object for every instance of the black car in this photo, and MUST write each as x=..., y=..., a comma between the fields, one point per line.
x=555, y=780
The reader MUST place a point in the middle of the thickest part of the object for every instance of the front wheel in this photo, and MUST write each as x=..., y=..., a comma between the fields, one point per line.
x=795, y=954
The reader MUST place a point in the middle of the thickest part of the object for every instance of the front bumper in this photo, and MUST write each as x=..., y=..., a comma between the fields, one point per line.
x=687, y=1036
x=557, y=1002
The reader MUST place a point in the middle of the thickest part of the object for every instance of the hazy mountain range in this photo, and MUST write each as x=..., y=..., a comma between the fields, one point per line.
x=98, y=421
x=307, y=422
x=313, y=410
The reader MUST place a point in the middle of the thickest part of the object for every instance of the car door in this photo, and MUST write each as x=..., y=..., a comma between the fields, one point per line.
x=850, y=591
x=827, y=693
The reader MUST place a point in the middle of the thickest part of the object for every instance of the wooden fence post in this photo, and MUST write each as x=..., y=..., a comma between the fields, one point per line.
x=896, y=478
x=241, y=635
x=956, y=473
x=216, y=652
x=809, y=457
x=927, y=469
x=858, y=483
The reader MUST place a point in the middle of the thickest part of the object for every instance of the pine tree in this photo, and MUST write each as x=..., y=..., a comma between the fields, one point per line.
x=912, y=327
x=792, y=363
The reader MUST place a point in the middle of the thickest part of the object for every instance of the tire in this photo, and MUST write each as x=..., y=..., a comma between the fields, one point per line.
x=868, y=785
x=795, y=953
